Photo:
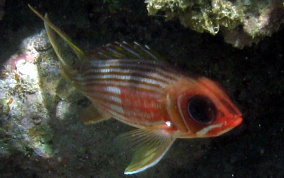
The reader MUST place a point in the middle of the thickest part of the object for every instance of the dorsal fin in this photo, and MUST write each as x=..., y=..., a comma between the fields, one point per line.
x=126, y=50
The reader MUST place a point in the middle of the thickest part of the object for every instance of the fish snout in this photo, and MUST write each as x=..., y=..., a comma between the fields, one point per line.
x=234, y=121
x=229, y=124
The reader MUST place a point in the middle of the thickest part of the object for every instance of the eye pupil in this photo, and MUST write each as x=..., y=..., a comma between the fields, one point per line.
x=201, y=109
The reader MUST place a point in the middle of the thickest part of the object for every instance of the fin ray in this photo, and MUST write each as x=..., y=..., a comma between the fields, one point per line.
x=80, y=54
x=55, y=45
x=125, y=50
x=149, y=148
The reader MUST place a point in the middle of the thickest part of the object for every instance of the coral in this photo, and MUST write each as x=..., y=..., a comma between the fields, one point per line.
x=202, y=16
x=243, y=22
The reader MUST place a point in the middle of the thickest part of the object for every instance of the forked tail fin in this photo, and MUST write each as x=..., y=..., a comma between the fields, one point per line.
x=50, y=29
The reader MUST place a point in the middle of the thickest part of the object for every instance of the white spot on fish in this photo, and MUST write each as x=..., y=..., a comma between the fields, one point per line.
x=205, y=130
x=114, y=90
x=168, y=123
x=116, y=108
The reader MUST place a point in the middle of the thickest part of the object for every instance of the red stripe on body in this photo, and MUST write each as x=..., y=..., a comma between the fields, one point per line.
x=143, y=106
x=137, y=94
x=137, y=106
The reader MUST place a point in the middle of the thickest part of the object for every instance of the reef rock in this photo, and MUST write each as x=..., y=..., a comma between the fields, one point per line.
x=32, y=97
x=243, y=22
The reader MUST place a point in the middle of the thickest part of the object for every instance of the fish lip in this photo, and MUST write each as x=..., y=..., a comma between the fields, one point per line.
x=233, y=122
x=237, y=120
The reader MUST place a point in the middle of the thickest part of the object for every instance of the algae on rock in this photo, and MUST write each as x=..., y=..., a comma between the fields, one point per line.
x=242, y=22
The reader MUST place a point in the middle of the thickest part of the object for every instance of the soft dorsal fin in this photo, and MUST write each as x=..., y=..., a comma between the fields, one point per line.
x=126, y=50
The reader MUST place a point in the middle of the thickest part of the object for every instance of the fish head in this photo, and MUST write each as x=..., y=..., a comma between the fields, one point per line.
x=201, y=108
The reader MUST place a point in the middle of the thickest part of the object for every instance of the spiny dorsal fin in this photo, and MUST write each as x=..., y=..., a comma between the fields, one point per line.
x=149, y=147
x=126, y=50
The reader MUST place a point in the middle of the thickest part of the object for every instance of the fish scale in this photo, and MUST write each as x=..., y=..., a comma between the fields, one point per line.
x=136, y=105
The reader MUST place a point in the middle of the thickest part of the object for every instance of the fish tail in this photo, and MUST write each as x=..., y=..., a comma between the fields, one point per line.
x=51, y=31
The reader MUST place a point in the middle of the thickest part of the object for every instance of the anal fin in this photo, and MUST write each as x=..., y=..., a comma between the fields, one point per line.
x=149, y=148
x=91, y=115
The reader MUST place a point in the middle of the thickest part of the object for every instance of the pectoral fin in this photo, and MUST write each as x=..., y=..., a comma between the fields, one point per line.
x=149, y=148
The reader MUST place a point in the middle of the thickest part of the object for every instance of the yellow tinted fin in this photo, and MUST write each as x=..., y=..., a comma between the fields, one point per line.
x=80, y=54
x=125, y=50
x=91, y=115
x=149, y=148
x=68, y=72
x=53, y=41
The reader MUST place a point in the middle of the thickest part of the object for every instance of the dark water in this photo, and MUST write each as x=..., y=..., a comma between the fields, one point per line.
x=253, y=77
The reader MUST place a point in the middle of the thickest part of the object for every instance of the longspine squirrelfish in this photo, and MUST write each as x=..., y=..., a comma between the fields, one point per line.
x=130, y=82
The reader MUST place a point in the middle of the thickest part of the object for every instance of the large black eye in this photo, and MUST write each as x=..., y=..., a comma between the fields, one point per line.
x=201, y=109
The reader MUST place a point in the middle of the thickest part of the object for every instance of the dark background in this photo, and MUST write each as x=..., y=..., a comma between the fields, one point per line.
x=253, y=77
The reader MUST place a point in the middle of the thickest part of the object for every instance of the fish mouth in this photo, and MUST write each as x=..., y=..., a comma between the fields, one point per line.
x=225, y=127
x=236, y=120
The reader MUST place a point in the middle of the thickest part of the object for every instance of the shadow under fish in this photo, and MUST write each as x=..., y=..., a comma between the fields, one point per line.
x=133, y=84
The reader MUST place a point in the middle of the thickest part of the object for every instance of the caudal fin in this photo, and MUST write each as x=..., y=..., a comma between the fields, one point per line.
x=48, y=24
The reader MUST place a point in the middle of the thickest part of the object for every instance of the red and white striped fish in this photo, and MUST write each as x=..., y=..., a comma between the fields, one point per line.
x=129, y=82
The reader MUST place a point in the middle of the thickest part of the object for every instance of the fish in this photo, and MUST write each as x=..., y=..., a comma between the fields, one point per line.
x=135, y=85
